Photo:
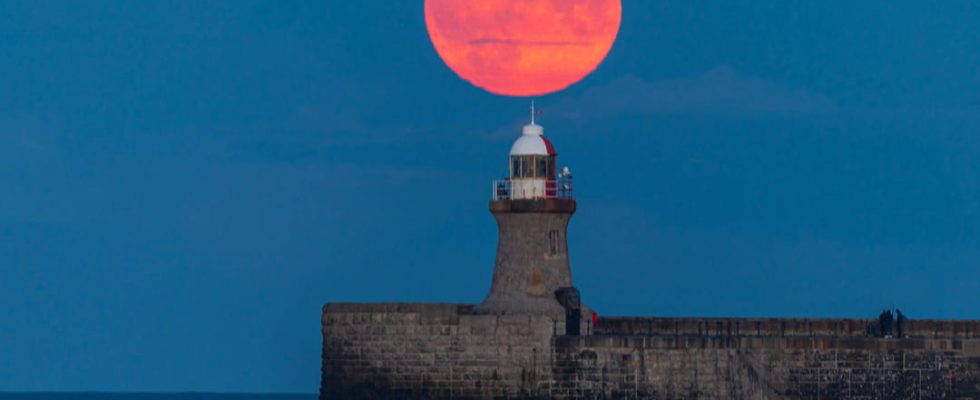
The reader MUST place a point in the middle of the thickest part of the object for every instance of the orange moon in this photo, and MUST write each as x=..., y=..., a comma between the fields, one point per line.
x=523, y=47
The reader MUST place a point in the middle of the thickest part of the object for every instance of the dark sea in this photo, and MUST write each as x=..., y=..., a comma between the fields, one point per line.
x=151, y=396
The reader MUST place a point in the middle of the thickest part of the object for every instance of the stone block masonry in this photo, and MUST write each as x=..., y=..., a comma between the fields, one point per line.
x=691, y=367
x=446, y=351
x=394, y=351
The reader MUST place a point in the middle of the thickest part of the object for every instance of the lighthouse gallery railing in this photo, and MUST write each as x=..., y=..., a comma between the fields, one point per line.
x=502, y=189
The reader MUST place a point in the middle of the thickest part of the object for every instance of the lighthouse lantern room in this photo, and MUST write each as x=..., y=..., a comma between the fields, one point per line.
x=533, y=169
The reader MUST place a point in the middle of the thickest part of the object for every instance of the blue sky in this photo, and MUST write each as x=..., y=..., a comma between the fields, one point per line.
x=184, y=184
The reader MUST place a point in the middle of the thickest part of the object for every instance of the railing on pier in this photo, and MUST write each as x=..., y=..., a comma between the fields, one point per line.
x=507, y=189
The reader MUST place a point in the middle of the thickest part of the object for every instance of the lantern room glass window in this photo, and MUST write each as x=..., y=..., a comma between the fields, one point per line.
x=532, y=166
x=540, y=167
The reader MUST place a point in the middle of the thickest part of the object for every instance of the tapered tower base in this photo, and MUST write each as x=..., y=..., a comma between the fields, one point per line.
x=532, y=257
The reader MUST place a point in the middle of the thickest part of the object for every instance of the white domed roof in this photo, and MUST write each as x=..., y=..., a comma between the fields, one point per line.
x=532, y=142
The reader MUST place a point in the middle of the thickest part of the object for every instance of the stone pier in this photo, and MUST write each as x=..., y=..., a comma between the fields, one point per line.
x=447, y=351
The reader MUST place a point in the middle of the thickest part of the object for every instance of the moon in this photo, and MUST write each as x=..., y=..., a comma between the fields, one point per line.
x=523, y=47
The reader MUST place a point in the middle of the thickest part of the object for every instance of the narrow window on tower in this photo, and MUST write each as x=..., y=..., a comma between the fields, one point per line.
x=553, y=243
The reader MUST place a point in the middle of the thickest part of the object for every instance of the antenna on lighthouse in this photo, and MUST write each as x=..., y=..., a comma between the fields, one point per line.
x=534, y=112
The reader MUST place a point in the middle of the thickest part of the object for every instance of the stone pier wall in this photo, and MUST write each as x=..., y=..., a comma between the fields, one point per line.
x=779, y=327
x=399, y=350
x=445, y=351
x=664, y=367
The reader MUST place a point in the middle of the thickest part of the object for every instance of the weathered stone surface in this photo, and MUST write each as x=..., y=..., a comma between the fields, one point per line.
x=532, y=257
x=440, y=351
x=446, y=351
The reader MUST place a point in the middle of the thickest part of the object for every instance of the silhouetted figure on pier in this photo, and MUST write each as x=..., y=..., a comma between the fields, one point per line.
x=885, y=321
x=900, y=323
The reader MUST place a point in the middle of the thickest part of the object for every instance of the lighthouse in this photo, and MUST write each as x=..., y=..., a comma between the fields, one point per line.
x=532, y=207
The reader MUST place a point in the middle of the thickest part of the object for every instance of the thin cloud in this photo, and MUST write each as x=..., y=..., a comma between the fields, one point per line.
x=720, y=91
x=513, y=42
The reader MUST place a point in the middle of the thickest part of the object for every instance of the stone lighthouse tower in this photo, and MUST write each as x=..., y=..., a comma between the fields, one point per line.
x=532, y=207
